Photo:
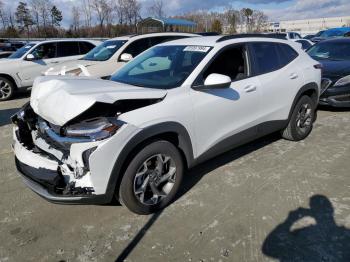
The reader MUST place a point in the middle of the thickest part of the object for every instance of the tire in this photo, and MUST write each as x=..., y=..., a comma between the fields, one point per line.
x=143, y=174
x=301, y=122
x=7, y=89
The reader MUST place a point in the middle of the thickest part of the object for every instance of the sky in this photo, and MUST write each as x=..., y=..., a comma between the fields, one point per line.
x=277, y=10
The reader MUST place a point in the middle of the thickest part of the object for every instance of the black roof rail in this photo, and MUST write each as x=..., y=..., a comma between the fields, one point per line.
x=273, y=35
x=207, y=33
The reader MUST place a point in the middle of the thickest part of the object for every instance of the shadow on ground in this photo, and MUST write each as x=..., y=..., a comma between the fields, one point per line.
x=334, y=109
x=197, y=173
x=323, y=241
x=5, y=115
x=193, y=176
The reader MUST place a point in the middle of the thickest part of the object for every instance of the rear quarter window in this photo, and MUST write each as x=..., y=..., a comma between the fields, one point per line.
x=286, y=54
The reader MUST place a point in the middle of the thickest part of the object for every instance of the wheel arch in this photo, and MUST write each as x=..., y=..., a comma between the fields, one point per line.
x=311, y=90
x=10, y=78
x=169, y=131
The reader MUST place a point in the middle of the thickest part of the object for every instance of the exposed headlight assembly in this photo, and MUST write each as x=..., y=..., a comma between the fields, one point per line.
x=94, y=129
x=343, y=81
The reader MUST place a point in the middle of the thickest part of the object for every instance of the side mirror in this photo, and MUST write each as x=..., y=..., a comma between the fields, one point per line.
x=217, y=81
x=30, y=57
x=126, y=57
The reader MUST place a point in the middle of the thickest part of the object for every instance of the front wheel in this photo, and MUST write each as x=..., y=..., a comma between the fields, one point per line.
x=301, y=122
x=152, y=178
x=6, y=89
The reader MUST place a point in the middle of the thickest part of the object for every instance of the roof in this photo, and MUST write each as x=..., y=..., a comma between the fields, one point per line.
x=152, y=35
x=96, y=42
x=213, y=41
x=169, y=21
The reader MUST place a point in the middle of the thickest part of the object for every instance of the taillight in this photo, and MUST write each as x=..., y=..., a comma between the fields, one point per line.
x=318, y=66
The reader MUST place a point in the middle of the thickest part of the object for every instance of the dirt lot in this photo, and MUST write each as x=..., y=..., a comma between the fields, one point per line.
x=236, y=207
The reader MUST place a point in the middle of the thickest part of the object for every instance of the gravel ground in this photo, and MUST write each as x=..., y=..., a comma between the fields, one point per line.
x=269, y=200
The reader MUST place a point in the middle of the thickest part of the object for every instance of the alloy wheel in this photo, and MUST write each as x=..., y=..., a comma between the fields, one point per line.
x=304, y=118
x=154, y=179
x=5, y=89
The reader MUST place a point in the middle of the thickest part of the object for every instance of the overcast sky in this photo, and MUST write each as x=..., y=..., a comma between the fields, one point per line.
x=276, y=9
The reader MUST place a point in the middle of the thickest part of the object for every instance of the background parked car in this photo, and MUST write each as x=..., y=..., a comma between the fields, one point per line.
x=331, y=33
x=305, y=44
x=112, y=54
x=22, y=67
x=334, y=55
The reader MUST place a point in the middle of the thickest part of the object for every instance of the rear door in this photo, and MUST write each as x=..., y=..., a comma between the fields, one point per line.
x=275, y=64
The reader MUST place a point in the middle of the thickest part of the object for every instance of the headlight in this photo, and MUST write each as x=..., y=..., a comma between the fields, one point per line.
x=74, y=72
x=343, y=81
x=94, y=129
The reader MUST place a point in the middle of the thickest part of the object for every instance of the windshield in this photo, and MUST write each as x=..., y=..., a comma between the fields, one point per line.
x=21, y=52
x=162, y=66
x=104, y=51
x=331, y=50
x=333, y=33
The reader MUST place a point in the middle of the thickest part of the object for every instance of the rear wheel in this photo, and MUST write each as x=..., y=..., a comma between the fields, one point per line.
x=152, y=178
x=301, y=122
x=6, y=89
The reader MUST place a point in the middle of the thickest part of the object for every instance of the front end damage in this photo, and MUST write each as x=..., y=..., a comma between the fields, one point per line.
x=53, y=165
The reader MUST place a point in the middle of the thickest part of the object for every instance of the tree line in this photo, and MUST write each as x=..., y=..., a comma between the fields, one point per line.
x=108, y=18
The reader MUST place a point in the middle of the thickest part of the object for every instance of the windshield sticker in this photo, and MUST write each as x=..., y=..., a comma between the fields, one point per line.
x=197, y=48
x=27, y=47
x=111, y=46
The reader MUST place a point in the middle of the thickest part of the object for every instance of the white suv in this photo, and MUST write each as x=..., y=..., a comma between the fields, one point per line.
x=172, y=107
x=20, y=69
x=108, y=57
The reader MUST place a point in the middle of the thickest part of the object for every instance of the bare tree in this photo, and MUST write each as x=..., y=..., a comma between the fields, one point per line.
x=75, y=18
x=87, y=12
x=2, y=15
x=157, y=9
x=259, y=20
x=102, y=9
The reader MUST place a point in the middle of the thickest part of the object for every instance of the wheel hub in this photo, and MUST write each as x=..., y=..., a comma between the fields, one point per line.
x=154, y=179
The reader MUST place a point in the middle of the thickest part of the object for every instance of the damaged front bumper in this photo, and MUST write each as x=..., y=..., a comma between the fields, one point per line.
x=335, y=96
x=56, y=171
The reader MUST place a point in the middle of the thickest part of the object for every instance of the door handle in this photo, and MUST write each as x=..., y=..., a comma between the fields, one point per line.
x=250, y=88
x=293, y=76
x=54, y=62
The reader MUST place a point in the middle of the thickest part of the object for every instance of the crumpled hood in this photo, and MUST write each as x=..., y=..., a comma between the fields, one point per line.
x=61, y=99
x=69, y=65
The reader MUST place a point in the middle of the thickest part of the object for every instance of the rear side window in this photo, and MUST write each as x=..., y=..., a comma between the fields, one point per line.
x=266, y=57
x=286, y=54
x=67, y=49
x=85, y=47
x=270, y=57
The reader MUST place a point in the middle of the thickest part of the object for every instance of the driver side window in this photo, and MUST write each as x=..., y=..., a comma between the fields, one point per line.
x=230, y=62
x=45, y=51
